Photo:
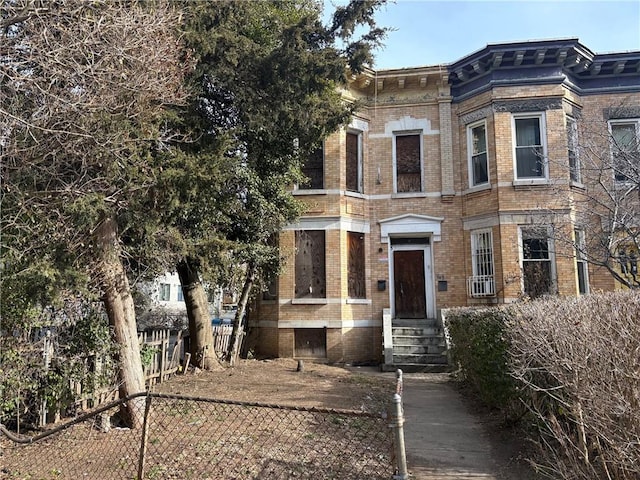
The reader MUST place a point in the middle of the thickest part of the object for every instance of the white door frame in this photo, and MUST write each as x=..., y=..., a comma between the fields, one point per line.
x=429, y=278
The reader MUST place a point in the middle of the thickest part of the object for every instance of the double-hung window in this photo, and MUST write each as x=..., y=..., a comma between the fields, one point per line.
x=165, y=292
x=477, y=148
x=572, y=150
x=313, y=169
x=538, y=270
x=581, y=262
x=310, y=264
x=482, y=282
x=407, y=152
x=529, y=146
x=625, y=138
x=354, y=162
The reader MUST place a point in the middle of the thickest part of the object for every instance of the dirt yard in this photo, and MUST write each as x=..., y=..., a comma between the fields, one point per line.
x=83, y=451
x=278, y=381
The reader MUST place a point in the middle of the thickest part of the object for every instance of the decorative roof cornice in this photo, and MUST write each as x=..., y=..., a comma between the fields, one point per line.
x=561, y=62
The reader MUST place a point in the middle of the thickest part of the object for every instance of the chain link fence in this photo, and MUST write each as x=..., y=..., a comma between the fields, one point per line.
x=199, y=438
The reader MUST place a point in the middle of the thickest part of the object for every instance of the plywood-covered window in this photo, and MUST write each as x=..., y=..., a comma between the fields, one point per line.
x=355, y=265
x=313, y=169
x=310, y=264
x=408, y=155
x=354, y=162
x=310, y=342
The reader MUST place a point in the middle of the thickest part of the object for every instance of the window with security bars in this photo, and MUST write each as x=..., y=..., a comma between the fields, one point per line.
x=355, y=265
x=313, y=169
x=625, y=138
x=581, y=262
x=537, y=262
x=408, y=155
x=482, y=282
x=354, y=162
x=310, y=264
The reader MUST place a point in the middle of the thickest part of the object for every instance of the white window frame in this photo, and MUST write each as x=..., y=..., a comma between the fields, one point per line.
x=161, y=292
x=470, y=155
x=575, y=172
x=622, y=121
x=395, y=166
x=482, y=284
x=358, y=133
x=581, y=260
x=553, y=284
x=541, y=117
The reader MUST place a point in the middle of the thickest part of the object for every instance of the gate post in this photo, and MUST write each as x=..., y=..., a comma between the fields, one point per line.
x=397, y=425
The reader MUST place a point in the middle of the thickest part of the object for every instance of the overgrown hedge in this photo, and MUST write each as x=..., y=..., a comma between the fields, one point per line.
x=480, y=349
x=575, y=364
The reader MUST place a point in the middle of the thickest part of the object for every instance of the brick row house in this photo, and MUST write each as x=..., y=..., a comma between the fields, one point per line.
x=443, y=191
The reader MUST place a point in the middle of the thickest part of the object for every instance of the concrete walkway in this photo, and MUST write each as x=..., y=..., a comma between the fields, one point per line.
x=445, y=441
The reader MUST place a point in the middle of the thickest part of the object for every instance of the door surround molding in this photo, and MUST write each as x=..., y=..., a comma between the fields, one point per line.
x=411, y=225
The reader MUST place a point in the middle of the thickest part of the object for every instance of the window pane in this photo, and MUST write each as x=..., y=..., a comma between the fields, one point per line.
x=623, y=134
x=165, y=292
x=572, y=150
x=480, y=171
x=529, y=162
x=582, y=277
x=624, y=150
x=314, y=170
x=536, y=262
x=535, y=249
x=527, y=132
x=352, y=162
x=408, y=173
x=310, y=264
x=537, y=278
x=355, y=266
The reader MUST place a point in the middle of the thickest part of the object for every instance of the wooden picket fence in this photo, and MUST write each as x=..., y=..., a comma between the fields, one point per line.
x=162, y=351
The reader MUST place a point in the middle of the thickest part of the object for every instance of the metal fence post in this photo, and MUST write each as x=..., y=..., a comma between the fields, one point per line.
x=144, y=438
x=397, y=424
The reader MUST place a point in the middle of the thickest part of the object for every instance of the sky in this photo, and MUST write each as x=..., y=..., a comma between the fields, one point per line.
x=437, y=32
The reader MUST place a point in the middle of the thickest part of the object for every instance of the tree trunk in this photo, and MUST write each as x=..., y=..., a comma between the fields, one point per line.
x=234, y=343
x=118, y=303
x=200, y=332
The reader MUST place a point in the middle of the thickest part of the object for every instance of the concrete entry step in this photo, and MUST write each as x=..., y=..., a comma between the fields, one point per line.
x=415, y=322
x=418, y=349
x=424, y=359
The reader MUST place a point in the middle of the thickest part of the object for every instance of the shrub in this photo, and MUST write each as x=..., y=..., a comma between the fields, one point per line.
x=577, y=363
x=479, y=348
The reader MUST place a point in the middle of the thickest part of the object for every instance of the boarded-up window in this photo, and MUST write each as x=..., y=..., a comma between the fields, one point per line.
x=408, y=168
x=310, y=342
x=355, y=266
x=313, y=169
x=309, y=264
x=353, y=162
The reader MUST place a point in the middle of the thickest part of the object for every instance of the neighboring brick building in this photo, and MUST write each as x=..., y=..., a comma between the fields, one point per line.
x=440, y=193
